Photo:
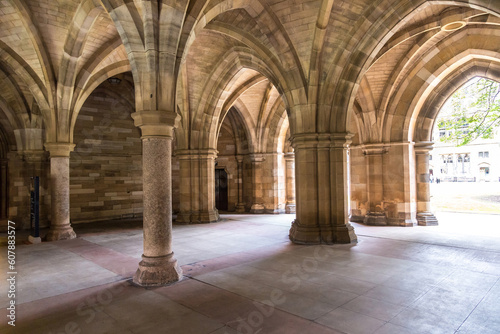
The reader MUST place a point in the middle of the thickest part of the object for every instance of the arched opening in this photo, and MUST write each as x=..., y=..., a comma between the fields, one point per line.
x=232, y=147
x=106, y=165
x=464, y=163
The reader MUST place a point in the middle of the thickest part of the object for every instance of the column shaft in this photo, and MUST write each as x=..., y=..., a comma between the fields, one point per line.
x=197, y=183
x=290, y=182
x=257, y=191
x=375, y=186
x=424, y=215
x=60, y=227
x=240, y=206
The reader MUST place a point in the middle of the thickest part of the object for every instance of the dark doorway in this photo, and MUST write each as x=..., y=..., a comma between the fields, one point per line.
x=221, y=189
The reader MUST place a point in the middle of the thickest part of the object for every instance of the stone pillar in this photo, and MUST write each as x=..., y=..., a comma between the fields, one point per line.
x=197, y=186
x=270, y=183
x=322, y=189
x=257, y=190
x=60, y=227
x=399, y=184
x=424, y=215
x=158, y=266
x=240, y=206
x=375, y=187
x=290, y=182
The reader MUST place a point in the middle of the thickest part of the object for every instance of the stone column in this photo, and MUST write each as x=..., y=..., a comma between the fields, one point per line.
x=322, y=189
x=257, y=191
x=399, y=184
x=158, y=266
x=197, y=186
x=60, y=227
x=240, y=206
x=424, y=215
x=270, y=183
x=375, y=188
x=290, y=182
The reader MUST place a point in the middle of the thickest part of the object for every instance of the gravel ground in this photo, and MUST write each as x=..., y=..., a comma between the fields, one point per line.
x=466, y=197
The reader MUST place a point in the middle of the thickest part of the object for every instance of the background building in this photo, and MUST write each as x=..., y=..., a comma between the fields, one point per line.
x=474, y=162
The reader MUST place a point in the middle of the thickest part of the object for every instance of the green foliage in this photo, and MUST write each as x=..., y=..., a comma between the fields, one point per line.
x=472, y=112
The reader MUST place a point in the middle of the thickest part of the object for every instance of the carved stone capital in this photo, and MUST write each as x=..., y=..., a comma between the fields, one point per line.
x=59, y=149
x=155, y=123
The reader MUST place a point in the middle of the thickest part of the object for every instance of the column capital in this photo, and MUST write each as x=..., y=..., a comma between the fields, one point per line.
x=257, y=157
x=155, y=123
x=59, y=149
x=374, y=149
x=289, y=156
x=424, y=147
x=34, y=156
x=325, y=140
x=209, y=153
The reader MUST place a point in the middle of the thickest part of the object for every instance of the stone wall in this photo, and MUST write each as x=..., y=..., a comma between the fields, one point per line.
x=106, y=166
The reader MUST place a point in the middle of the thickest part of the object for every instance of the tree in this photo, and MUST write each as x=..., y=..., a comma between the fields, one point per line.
x=472, y=112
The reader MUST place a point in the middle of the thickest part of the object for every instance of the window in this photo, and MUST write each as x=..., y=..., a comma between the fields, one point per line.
x=442, y=134
x=467, y=158
x=484, y=154
x=484, y=170
x=449, y=159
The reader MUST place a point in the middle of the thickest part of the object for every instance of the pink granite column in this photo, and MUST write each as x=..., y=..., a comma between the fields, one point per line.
x=60, y=227
x=158, y=266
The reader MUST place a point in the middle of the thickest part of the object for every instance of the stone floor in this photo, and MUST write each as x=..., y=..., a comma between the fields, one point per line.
x=242, y=275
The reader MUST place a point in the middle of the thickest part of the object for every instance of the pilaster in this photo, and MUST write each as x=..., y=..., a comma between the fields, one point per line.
x=197, y=186
x=374, y=169
x=240, y=206
x=257, y=190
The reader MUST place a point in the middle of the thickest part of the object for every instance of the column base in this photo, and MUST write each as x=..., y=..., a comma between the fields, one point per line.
x=273, y=211
x=34, y=240
x=240, y=208
x=211, y=216
x=60, y=233
x=157, y=271
x=314, y=235
x=290, y=208
x=375, y=218
x=183, y=218
x=426, y=219
x=257, y=208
